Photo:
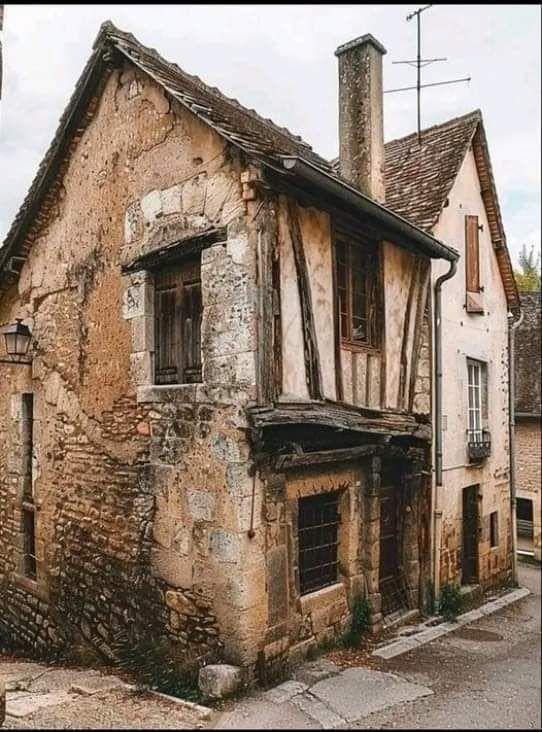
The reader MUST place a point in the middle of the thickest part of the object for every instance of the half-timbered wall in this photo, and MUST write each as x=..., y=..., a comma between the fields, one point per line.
x=393, y=376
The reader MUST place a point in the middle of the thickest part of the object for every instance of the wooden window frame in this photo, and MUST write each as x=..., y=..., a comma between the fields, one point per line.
x=178, y=280
x=477, y=397
x=474, y=396
x=348, y=240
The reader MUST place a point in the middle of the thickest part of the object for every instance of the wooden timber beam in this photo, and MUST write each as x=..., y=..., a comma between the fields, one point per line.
x=283, y=462
x=310, y=344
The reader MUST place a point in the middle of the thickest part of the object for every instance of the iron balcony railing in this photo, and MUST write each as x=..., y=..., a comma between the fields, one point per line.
x=479, y=445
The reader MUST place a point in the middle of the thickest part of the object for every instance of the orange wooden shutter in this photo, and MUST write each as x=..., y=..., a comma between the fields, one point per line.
x=472, y=254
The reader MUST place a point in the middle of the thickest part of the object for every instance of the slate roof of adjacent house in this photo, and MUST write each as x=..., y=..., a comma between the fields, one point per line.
x=528, y=361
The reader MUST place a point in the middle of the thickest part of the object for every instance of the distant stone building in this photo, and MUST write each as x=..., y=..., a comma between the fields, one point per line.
x=528, y=436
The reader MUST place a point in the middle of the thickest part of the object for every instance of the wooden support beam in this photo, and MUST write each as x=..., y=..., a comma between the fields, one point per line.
x=310, y=344
x=339, y=417
x=283, y=462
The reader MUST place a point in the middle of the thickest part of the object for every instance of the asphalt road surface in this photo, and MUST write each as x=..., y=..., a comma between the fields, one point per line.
x=483, y=676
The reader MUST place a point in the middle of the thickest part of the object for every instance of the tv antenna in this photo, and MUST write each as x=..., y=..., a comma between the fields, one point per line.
x=419, y=63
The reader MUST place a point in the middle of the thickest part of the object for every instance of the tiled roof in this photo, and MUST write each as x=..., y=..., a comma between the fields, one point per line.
x=419, y=178
x=242, y=126
x=259, y=137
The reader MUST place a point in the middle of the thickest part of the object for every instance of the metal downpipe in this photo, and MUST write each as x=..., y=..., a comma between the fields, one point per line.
x=437, y=512
x=513, y=323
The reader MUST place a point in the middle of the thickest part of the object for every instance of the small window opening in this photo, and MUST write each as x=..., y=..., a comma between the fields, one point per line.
x=494, y=529
x=318, y=524
x=178, y=312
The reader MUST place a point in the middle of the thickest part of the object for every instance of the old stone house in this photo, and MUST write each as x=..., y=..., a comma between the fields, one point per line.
x=446, y=186
x=528, y=435
x=223, y=438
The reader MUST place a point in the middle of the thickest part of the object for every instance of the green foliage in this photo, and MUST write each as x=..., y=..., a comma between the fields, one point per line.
x=361, y=622
x=451, y=601
x=528, y=278
x=152, y=660
x=430, y=602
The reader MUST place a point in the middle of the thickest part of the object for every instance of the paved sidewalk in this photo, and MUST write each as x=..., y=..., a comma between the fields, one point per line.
x=475, y=674
x=327, y=697
x=53, y=697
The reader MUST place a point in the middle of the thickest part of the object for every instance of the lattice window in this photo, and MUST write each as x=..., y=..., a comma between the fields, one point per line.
x=178, y=311
x=318, y=524
x=357, y=289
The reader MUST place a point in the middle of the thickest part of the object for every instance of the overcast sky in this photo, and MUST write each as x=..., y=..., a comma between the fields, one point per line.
x=279, y=60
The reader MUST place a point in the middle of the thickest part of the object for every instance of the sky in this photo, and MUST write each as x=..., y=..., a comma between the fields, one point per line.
x=279, y=60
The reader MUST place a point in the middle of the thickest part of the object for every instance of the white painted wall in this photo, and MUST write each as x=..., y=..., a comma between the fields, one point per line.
x=483, y=337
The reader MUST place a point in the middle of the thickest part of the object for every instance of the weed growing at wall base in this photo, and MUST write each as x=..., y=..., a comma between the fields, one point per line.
x=451, y=601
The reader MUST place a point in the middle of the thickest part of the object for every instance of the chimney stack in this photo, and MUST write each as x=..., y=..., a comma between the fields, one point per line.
x=361, y=118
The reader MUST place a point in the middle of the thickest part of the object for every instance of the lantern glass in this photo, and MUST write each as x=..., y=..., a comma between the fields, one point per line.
x=17, y=338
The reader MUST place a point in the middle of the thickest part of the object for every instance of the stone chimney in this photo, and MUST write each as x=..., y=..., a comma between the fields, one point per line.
x=361, y=118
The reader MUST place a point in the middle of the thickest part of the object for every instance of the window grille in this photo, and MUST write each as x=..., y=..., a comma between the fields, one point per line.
x=318, y=524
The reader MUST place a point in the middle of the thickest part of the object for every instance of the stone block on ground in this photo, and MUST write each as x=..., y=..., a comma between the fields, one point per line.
x=220, y=680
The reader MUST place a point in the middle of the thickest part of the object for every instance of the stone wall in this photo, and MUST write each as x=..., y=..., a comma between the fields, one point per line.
x=528, y=442
x=143, y=494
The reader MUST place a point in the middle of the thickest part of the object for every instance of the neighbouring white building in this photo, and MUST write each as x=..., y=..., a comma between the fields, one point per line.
x=446, y=186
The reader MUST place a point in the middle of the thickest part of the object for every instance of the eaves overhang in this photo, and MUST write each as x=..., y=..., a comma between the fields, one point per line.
x=393, y=226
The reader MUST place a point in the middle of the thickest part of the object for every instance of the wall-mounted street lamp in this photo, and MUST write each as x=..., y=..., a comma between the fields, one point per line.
x=17, y=339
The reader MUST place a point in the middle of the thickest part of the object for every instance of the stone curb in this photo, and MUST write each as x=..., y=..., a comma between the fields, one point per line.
x=404, y=645
x=202, y=712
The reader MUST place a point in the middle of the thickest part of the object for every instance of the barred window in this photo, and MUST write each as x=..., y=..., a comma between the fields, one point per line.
x=357, y=288
x=178, y=311
x=318, y=524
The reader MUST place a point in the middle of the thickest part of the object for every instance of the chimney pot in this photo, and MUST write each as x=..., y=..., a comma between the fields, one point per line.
x=361, y=122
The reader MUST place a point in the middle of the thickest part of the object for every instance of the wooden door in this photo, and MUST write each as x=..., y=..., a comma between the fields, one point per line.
x=390, y=579
x=470, y=535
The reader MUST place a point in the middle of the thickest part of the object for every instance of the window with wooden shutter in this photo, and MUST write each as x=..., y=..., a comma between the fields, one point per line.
x=474, y=290
x=472, y=254
x=177, y=312
x=357, y=276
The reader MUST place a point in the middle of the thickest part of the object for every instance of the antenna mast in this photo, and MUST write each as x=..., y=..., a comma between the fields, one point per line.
x=419, y=63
